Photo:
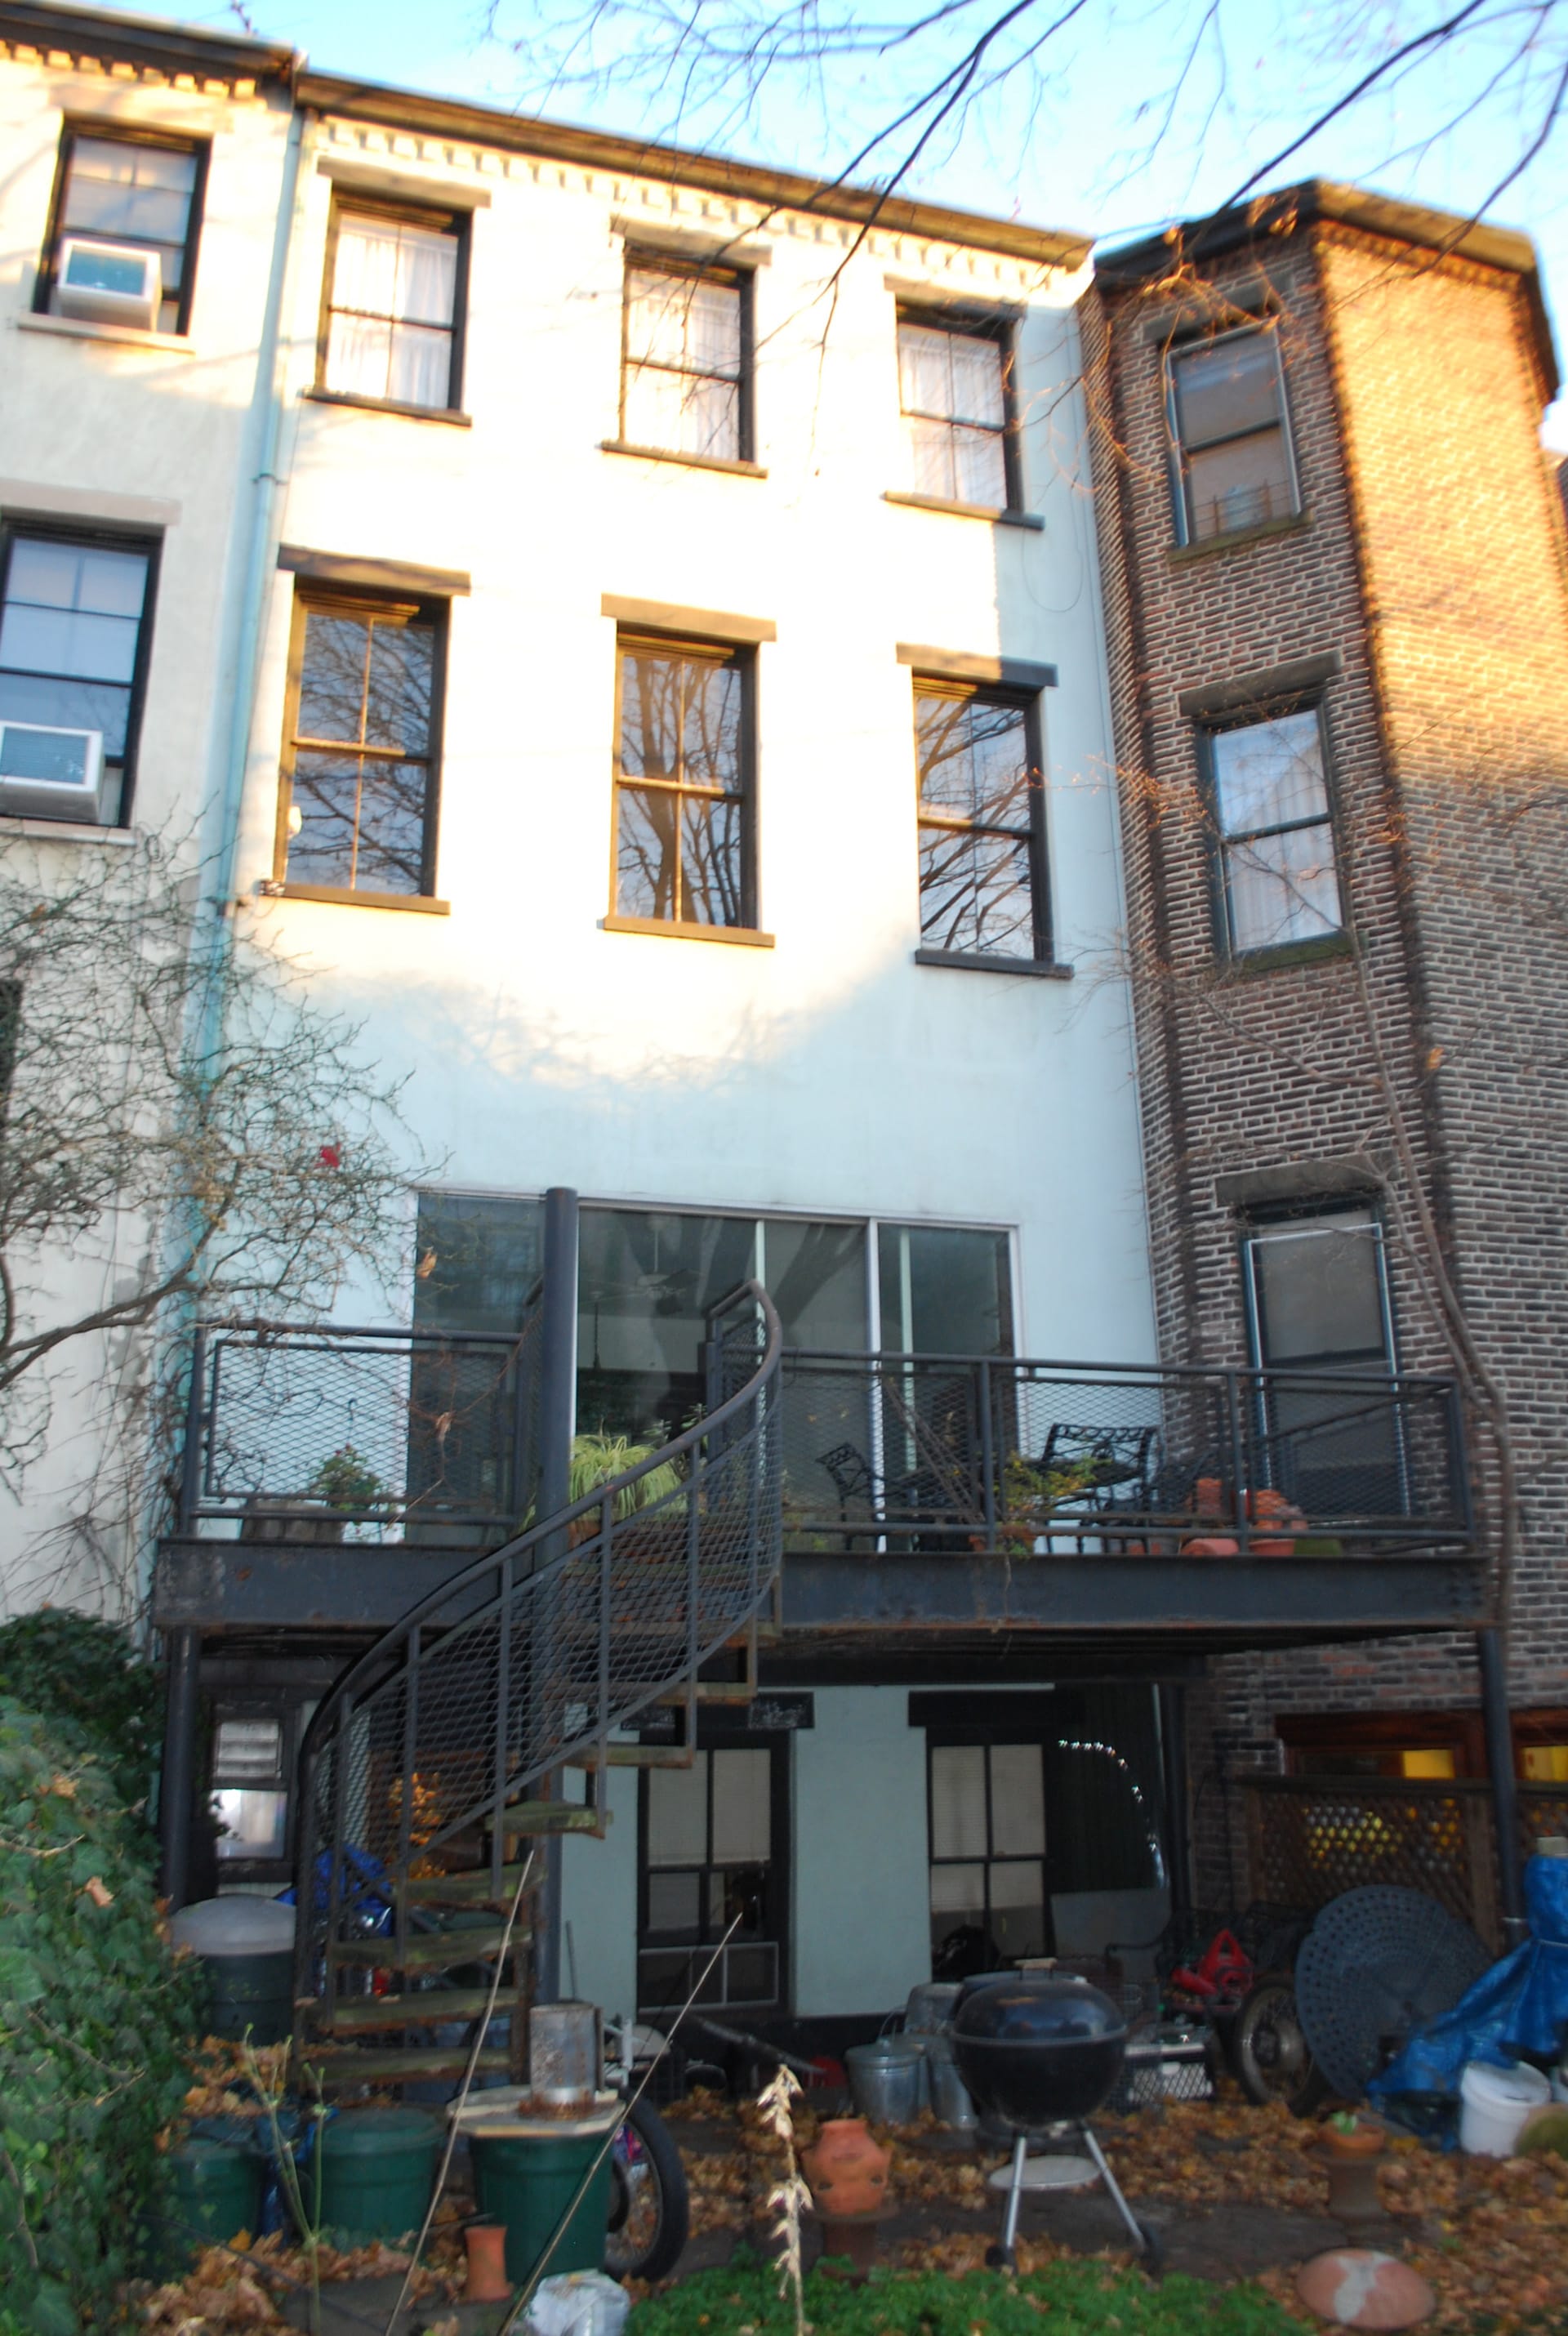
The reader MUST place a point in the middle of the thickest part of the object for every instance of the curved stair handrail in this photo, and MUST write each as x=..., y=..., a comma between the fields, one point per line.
x=533, y=1654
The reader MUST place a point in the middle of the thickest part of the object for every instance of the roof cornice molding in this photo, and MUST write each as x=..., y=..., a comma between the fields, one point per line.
x=173, y=51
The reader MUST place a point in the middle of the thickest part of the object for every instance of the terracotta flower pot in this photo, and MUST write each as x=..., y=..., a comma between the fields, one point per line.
x=847, y=2172
x=487, y=2282
x=1208, y=1499
x=1352, y=2160
x=1212, y=1546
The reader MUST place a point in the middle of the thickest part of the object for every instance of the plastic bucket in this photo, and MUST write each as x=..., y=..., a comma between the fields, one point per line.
x=1496, y=2102
x=888, y=2078
x=527, y=2181
x=377, y=2170
x=217, y=2189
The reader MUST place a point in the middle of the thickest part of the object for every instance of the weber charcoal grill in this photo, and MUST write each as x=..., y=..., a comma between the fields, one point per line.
x=1040, y=2052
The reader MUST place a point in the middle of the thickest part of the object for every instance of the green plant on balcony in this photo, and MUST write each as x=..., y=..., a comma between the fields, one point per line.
x=346, y=1481
x=1031, y=1495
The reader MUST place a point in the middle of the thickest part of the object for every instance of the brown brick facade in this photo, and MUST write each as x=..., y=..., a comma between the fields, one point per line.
x=1427, y=568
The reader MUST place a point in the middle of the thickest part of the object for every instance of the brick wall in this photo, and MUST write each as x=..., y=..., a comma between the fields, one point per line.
x=1428, y=562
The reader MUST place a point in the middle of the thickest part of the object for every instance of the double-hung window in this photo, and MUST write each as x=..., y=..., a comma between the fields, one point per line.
x=981, y=824
x=75, y=617
x=1274, y=832
x=1231, y=436
x=135, y=190
x=1321, y=1334
x=357, y=803
x=987, y=1851
x=685, y=359
x=683, y=792
x=955, y=390
x=391, y=327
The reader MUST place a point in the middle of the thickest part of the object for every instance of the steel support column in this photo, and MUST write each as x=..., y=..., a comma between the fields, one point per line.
x=177, y=1778
x=1173, y=1698
x=1499, y=1734
x=557, y=1427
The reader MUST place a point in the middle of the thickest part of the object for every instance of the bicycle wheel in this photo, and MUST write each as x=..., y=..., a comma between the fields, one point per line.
x=649, y=2206
x=1269, y=2051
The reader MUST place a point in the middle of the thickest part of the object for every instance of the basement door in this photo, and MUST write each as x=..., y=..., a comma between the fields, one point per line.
x=713, y=1843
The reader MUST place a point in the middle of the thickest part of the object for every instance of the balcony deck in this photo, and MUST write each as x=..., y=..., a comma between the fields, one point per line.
x=935, y=1509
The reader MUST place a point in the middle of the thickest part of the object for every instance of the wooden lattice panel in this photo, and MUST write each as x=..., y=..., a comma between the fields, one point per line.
x=1312, y=1839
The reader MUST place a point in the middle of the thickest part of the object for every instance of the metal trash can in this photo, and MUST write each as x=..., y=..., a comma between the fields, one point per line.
x=887, y=2079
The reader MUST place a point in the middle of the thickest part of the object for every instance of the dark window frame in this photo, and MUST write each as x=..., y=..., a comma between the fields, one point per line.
x=714, y=1735
x=642, y=260
x=115, y=132
x=742, y=657
x=1196, y=343
x=352, y=601
x=286, y=1709
x=1207, y=728
x=987, y=1735
x=1028, y=703
x=1260, y=1223
x=432, y=217
x=976, y=325
x=150, y=544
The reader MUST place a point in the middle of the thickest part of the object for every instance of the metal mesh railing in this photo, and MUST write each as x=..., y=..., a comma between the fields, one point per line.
x=532, y=1655
x=955, y=1453
x=330, y=1435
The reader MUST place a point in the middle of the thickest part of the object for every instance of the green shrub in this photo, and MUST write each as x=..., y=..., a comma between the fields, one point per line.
x=68, y=1667
x=95, y=2031
x=1066, y=2299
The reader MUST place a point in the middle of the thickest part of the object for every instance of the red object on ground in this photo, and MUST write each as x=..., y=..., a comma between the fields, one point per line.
x=1221, y=1975
x=826, y=2070
x=1355, y=2287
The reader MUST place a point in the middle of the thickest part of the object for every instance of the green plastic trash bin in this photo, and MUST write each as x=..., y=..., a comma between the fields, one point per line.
x=527, y=2181
x=217, y=2190
x=377, y=2172
x=247, y=1949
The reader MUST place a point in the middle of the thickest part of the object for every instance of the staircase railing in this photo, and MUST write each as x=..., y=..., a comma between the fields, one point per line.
x=535, y=1654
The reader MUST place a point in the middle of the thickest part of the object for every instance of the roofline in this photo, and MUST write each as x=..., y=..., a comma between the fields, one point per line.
x=1288, y=208
x=400, y=109
x=149, y=41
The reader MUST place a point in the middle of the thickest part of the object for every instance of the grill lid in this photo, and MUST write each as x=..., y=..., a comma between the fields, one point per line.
x=1040, y=2008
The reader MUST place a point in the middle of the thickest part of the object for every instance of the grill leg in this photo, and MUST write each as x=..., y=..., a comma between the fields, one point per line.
x=1140, y=2236
x=1002, y=2257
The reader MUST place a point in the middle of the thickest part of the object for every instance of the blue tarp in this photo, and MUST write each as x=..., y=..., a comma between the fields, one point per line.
x=1520, y=2006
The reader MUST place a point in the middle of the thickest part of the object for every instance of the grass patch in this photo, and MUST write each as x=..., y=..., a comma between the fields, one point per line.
x=1074, y=2299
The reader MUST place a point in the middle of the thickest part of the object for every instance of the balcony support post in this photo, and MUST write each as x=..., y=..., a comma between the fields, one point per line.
x=1173, y=1705
x=176, y=1780
x=1499, y=1733
x=557, y=1425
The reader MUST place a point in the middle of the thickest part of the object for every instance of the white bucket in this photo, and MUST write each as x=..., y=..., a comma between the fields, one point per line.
x=1497, y=2103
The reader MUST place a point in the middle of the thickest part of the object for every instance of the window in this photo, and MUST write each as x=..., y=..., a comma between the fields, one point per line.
x=1232, y=448
x=250, y=1789
x=1318, y=1306
x=357, y=803
x=981, y=823
x=130, y=188
x=987, y=1837
x=685, y=359
x=683, y=848
x=955, y=390
x=1275, y=834
x=391, y=325
x=707, y=1844
x=74, y=628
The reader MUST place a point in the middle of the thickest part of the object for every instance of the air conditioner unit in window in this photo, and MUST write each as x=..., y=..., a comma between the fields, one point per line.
x=50, y=773
x=108, y=283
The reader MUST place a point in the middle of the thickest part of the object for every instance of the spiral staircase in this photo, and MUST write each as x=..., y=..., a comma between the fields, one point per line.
x=434, y=1770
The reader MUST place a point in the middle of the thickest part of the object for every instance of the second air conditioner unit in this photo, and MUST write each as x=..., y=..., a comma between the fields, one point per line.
x=47, y=772
x=108, y=283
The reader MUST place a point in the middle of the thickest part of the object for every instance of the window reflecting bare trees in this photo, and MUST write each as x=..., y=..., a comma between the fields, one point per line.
x=1276, y=840
x=360, y=748
x=682, y=376
x=982, y=888
x=682, y=849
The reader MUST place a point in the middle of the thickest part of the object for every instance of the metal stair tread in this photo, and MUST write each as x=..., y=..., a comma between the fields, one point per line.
x=358, y=2015
x=352, y=2064
x=476, y=1887
x=429, y=1949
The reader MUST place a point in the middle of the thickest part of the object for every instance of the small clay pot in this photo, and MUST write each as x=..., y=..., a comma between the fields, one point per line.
x=847, y=2172
x=487, y=2282
x=1352, y=2167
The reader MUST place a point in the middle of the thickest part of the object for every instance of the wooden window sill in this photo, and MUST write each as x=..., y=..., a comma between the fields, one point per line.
x=1294, y=523
x=972, y=961
x=739, y=936
x=129, y=336
x=353, y=399
x=737, y=469
x=341, y=896
x=994, y=512
x=65, y=830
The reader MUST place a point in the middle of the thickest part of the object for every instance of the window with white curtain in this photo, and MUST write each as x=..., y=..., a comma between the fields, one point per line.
x=390, y=331
x=684, y=360
x=953, y=389
x=1275, y=833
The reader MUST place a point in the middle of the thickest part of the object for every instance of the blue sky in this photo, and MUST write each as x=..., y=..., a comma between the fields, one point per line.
x=1071, y=150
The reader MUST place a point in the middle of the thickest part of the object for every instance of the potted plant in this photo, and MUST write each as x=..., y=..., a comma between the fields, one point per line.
x=597, y=1460
x=1351, y=2145
x=1030, y=1495
x=344, y=1486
